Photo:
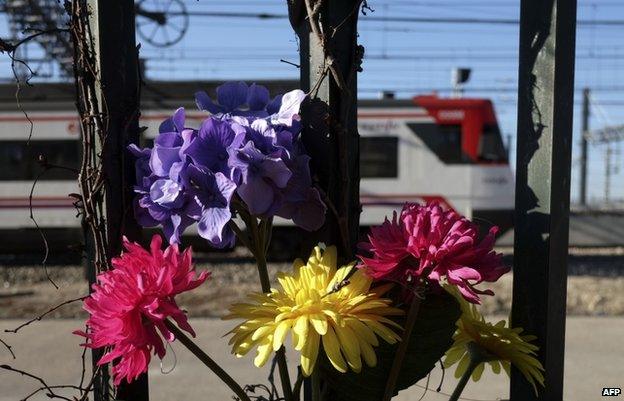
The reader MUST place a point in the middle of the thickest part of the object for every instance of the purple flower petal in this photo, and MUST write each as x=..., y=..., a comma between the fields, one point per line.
x=142, y=214
x=209, y=148
x=166, y=193
x=291, y=102
x=257, y=97
x=162, y=159
x=258, y=195
x=174, y=123
x=175, y=226
x=205, y=103
x=213, y=226
x=179, y=118
x=308, y=214
x=274, y=105
x=276, y=170
x=231, y=95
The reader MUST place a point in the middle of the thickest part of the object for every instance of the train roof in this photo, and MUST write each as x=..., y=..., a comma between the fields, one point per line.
x=173, y=94
x=154, y=94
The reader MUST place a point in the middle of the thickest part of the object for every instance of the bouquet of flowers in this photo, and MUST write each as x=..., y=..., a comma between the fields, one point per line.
x=364, y=330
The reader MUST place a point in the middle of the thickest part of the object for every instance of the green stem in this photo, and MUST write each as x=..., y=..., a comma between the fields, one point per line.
x=259, y=238
x=297, y=386
x=316, y=385
x=474, y=362
x=259, y=247
x=397, y=363
x=209, y=362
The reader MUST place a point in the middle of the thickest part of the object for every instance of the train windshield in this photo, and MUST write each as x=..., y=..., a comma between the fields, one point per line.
x=491, y=147
x=19, y=160
x=379, y=157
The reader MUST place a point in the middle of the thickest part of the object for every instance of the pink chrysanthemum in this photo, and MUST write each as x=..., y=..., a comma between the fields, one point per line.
x=427, y=242
x=130, y=302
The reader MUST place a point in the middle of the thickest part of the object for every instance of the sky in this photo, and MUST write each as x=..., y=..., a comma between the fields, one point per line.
x=407, y=57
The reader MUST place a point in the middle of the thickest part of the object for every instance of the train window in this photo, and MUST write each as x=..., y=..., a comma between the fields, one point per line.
x=19, y=159
x=379, y=157
x=491, y=147
x=445, y=141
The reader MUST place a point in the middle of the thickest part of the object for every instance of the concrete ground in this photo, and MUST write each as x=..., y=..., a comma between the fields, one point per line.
x=594, y=359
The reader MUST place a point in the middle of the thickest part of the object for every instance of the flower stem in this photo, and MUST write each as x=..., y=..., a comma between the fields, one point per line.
x=297, y=386
x=316, y=385
x=412, y=314
x=209, y=362
x=260, y=239
x=474, y=362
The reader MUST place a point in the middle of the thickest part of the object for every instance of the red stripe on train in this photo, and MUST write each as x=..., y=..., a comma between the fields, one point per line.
x=366, y=200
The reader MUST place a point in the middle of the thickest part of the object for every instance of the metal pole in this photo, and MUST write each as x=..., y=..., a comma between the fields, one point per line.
x=113, y=27
x=330, y=59
x=584, y=145
x=608, y=170
x=330, y=118
x=545, y=107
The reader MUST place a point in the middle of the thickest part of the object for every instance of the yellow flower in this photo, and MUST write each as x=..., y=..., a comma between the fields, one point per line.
x=315, y=304
x=495, y=344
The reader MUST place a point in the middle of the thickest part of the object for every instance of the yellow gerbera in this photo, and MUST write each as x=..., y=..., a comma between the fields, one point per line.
x=316, y=303
x=495, y=344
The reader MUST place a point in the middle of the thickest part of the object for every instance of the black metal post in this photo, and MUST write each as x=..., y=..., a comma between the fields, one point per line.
x=113, y=27
x=545, y=108
x=584, y=146
x=330, y=60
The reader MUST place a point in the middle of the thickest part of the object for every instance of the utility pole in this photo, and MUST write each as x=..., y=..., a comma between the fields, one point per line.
x=608, y=171
x=543, y=161
x=112, y=25
x=584, y=146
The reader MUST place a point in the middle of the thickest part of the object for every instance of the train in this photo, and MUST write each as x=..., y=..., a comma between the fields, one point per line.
x=427, y=148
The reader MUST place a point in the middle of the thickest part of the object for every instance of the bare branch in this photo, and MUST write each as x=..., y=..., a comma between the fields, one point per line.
x=38, y=318
x=8, y=347
x=50, y=392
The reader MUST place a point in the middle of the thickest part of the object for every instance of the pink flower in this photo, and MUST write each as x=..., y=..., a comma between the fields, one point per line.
x=129, y=304
x=427, y=242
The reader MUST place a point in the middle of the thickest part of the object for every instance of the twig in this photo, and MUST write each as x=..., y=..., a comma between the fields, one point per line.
x=38, y=318
x=45, y=385
x=61, y=386
x=8, y=347
x=290, y=62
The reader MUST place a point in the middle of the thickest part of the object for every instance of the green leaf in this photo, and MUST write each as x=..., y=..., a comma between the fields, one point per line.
x=430, y=339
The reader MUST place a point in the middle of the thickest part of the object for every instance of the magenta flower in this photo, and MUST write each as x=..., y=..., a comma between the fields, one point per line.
x=429, y=243
x=129, y=305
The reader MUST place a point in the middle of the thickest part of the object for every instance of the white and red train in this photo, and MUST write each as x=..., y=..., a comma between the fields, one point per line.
x=420, y=149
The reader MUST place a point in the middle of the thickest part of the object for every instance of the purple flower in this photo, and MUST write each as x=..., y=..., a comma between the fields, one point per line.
x=232, y=97
x=288, y=111
x=212, y=193
x=301, y=202
x=163, y=201
x=252, y=102
x=269, y=140
x=169, y=145
x=261, y=176
x=209, y=148
x=250, y=145
x=174, y=123
x=141, y=165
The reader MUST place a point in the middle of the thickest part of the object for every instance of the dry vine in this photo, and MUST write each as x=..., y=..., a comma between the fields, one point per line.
x=90, y=203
